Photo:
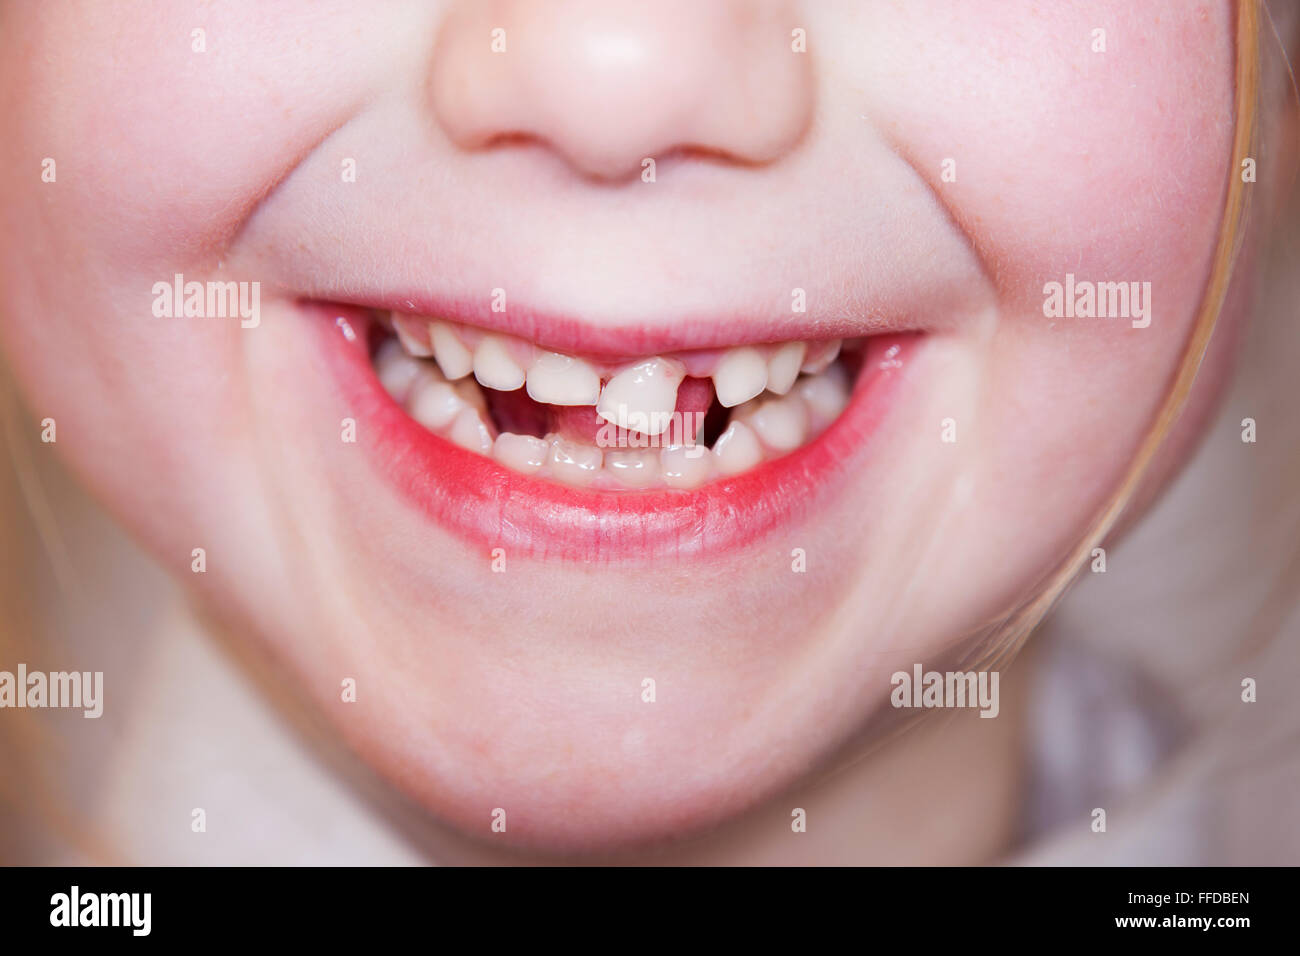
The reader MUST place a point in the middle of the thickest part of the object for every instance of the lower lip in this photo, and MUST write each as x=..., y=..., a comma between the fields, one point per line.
x=492, y=507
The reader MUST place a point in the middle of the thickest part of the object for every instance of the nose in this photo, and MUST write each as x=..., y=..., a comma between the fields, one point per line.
x=607, y=84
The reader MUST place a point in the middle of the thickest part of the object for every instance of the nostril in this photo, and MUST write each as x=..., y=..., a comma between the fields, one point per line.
x=613, y=170
x=509, y=139
x=605, y=86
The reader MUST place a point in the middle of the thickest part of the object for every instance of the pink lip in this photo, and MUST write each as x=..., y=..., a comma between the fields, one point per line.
x=492, y=507
x=572, y=335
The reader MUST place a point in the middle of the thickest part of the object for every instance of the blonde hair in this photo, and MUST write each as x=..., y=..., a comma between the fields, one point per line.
x=995, y=648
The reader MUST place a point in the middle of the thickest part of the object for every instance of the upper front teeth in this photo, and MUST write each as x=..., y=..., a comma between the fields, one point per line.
x=453, y=358
x=642, y=398
x=741, y=374
x=783, y=366
x=493, y=366
x=642, y=395
x=414, y=336
x=820, y=357
x=556, y=379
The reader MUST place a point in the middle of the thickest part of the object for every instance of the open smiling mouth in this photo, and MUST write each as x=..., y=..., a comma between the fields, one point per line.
x=594, y=457
x=662, y=421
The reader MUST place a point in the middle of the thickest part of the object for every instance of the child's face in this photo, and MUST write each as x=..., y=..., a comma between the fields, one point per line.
x=923, y=168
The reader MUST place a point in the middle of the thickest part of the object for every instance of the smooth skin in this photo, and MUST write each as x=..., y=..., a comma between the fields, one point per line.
x=776, y=169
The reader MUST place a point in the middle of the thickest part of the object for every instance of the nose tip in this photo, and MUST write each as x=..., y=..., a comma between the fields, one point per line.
x=609, y=84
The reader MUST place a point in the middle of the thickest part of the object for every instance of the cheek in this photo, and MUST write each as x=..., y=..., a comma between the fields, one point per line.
x=171, y=121
x=1064, y=158
x=1110, y=166
x=162, y=140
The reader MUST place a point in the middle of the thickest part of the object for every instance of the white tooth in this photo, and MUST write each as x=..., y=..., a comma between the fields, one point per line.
x=739, y=375
x=469, y=431
x=634, y=469
x=642, y=398
x=493, y=366
x=395, y=369
x=825, y=395
x=522, y=453
x=781, y=424
x=737, y=449
x=685, y=466
x=434, y=402
x=472, y=396
x=823, y=354
x=409, y=331
x=555, y=379
x=453, y=358
x=783, y=366
x=574, y=464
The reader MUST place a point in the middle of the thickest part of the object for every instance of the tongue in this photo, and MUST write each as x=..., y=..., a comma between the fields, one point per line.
x=516, y=412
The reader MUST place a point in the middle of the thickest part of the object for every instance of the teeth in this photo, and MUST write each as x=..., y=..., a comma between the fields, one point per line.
x=825, y=395
x=822, y=355
x=395, y=369
x=635, y=469
x=642, y=398
x=414, y=335
x=781, y=424
x=453, y=358
x=556, y=379
x=493, y=366
x=433, y=402
x=472, y=396
x=737, y=449
x=469, y=431
x=575, y=464
x=783, y=366
x=740, y=375
x=522, y=453
x=685, y=467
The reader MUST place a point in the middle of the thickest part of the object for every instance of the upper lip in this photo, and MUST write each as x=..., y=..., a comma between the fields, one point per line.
x=573, y=334
x=590, y=273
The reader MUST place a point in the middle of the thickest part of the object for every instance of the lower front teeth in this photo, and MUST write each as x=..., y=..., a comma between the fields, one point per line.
x=737, y=449
x=634, y=469
x=761, y=428
x=825, y=394
x=575, y=463
x=469, y=431
x=781, y=423
x=522, y=453
x=685, y=467
x=434, y=403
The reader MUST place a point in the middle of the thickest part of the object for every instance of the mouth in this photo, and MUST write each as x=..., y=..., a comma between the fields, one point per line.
x=601, y=456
